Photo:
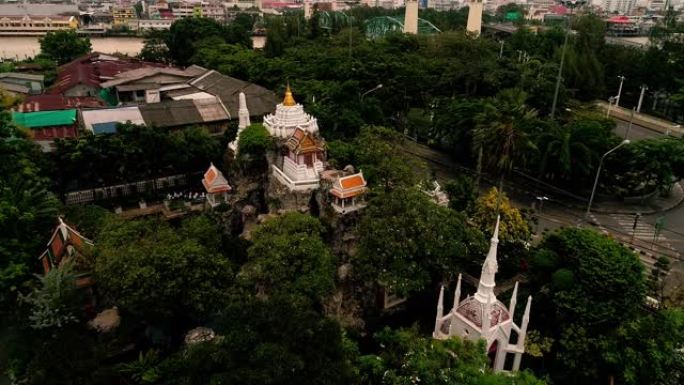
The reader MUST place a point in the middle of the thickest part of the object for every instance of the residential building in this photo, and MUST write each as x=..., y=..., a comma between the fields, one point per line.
x=622, y=7
x=105, y=120
x=482, y=316
x=288, y=117
x=46, y=102
x=35, y=25
x=173, y=114
x=82, y=76
x=46, y=126
x=143, y=85
x=19, y=83
x=122, y=15
x=260, y=100
x=216, y=185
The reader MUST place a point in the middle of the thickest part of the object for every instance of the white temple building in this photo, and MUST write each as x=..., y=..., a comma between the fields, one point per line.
x=482, y=316
x=243, y=122
x=302, y=165
x=347, y=193
x=289, y=115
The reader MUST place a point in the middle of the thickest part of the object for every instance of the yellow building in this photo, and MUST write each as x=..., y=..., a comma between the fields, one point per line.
x=35, y=25
x=123, y=15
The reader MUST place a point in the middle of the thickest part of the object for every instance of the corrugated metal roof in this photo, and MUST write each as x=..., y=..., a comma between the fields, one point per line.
x=21, y=76
x=44, y=118
x=109, y=115
x=260, y=100
x=174, y=113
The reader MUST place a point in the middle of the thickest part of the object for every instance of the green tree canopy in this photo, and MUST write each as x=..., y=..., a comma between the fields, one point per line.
x=288, y=256
x=406, y=241
x=64, y=46
x=405, y=357
x=154, y=272
x=588, y=285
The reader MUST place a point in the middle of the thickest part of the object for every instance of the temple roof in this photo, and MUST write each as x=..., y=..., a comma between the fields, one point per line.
x=349, y=186
x=302, y=142
x=472, y=310
x=289, y=99
x=214, y=181
x=57, y=251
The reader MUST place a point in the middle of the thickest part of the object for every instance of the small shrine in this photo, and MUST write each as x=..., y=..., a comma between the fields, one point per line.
x=482, y=316
x=303, y=163
x=289, y=115
x=67, y=244
x=348, y=192
x=216, y=185
x=435, y=192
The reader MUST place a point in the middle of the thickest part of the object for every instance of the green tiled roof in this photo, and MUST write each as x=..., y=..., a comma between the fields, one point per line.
x=44, y=118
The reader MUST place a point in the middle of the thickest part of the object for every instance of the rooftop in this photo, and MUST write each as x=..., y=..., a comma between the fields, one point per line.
x=57, y=102
x=303, y=142
x=174, y=113
x=44, y=118
x=260, y=100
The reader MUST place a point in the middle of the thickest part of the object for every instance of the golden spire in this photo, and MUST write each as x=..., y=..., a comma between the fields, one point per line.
x=288, y=101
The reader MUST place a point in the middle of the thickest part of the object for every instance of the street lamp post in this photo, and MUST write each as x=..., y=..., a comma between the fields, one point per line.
x=641, y=97
x=569, y=4
x=617, y=101
x=598, y=173
x=541, y=200
x=379, y=86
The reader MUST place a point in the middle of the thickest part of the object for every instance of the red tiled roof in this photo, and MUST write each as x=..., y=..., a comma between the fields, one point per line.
x=214, y=181
x=349, y=186
x=93, y=69
x=58, y=102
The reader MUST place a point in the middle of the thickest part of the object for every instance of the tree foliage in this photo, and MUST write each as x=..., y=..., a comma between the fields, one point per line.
x=153, y=271
x=288, y=256
x=588, y=285
x=64, y=46
x=406, y=241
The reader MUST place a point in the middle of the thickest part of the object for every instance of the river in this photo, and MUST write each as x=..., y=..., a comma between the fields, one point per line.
x=22, y=47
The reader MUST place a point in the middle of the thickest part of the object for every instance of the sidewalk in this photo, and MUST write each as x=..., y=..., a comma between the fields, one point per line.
x=644, y=120
x=656, y=205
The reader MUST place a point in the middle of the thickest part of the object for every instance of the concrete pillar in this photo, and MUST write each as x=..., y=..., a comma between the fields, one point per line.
x=411, y=17
x=474, y=25
x=440, y=312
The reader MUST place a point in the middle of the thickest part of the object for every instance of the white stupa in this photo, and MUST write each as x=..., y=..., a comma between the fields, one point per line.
x=289, y=115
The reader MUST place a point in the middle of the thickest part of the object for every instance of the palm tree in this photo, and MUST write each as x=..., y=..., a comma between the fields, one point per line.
x=502, y=132
x=566, y=148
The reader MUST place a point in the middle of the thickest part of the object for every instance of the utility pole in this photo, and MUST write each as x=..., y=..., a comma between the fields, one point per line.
x=570, y=4
x=617, y=101
x=641, y=97
x=631, y=120
x=501, y=49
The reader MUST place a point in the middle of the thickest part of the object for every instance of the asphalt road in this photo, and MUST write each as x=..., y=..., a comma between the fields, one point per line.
x=635, y=132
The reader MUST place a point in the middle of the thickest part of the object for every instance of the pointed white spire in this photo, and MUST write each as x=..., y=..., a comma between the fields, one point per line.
x=514, y=300
x=485, y=288
x=243, y=112
x=457, y=294
x=525, y=322
x=440, y=303
x=440, y=313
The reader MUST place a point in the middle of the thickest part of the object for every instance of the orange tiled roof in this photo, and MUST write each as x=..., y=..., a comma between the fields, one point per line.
x=349, y=186
x=302, y=142
x=214, y=181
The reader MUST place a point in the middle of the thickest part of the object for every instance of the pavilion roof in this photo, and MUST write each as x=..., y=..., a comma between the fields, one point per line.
x=302, y=142
x=214, y=181
x=349, y=186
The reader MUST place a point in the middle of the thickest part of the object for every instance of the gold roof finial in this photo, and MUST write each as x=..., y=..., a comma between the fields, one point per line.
x=288, y=101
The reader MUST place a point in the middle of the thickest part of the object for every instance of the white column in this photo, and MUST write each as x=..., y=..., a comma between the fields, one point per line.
x=474, y=25
x=411, y=17
x=523, y=334
x=486, y=318
x=457, y=294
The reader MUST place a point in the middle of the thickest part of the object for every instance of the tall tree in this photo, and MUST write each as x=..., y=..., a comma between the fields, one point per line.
x=64, y=46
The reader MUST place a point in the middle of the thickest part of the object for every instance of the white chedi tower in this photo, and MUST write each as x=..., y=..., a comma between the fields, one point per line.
x=482, y=316
x=474, y=25
x=289, y=115
x=243, y=122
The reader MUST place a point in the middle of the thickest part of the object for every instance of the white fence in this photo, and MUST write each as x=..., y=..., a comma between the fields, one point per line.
x=124, y=190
